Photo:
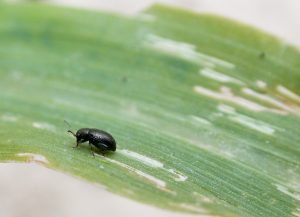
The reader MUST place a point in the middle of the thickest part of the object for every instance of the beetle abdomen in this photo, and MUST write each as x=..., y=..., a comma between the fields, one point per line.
x=96, y=137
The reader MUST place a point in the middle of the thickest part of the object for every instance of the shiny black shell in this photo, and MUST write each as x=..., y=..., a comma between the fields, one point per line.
x=98, y=138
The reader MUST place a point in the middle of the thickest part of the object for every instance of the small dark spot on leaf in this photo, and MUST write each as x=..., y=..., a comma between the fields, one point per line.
x=262, y=55
x=124, y=79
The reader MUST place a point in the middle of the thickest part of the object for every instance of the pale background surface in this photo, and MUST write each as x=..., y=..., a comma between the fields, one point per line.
x=31, y=190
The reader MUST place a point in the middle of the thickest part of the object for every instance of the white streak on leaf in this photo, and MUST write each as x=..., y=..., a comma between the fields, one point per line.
x=218, y=76
x=159, y=183
x=9, y=118
x=199, y=120
x=244, y=120
x=261, y=84
x=43, y=125
x=271, y=100
x=288, y=93
x=201, y=197
x=178, y=176
x=34, y=157
x=192, y=208
x=253, y=124
x=229, y=97
x=285, y=190
x=185, y=51
x=226, y=109
x=143, y=159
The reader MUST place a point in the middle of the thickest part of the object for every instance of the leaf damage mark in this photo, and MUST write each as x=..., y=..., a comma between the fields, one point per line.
x=178, y=176
x=218, y=76
x=253, y=124
x=288, y=93
x=201, y=198
x=192, y=208
x=261, y=84
x=34, y=157
x=185, y=51
x=285, y=190
x=9, y=118
x=199, y=120
x=226, y=109
x=143, y=159
x=43, y=125
x=246, y=121
x=157, y=182
x=275, y=102
x=228, y=96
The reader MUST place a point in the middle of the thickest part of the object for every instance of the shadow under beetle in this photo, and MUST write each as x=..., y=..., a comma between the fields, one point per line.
x=102, y=140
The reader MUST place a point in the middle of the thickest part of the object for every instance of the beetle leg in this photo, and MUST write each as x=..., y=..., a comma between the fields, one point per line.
x=103, y=148
x=77, y=143
x=92, y=149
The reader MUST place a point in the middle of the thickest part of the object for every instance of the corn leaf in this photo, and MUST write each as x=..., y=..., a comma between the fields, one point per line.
x=205, y=110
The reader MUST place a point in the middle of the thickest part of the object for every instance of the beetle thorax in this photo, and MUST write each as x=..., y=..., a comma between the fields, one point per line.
x=82, y=133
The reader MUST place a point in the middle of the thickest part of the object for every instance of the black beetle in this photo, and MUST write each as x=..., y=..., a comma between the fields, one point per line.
x=98, y=138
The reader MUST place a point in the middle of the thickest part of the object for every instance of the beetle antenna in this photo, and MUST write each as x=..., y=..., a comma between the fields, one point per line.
x=69, y=131
x=66, y=122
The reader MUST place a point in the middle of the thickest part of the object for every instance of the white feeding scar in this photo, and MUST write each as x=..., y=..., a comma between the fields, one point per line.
x=43, y=125
x=9, y=118
x=34, y=157
x=246, y=121
x=199, y=120
x=285, y=190
x=159, y=183
x=253, y=124
x=218, y=76
x=273, y=101
x=179, y=177
x=228, y=96
x=185, y=51
x=226, y=109
x=143, y=159
x=288, y=93
x=261, y=84
x=193, y=208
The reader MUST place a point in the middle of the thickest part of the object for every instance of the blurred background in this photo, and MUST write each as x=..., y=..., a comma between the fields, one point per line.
x=279, y=17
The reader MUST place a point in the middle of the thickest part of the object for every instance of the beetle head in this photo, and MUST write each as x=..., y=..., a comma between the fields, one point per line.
x=82, y=133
